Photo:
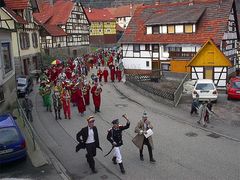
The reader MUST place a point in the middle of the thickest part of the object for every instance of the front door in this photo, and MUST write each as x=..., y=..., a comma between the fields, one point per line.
x=155, y=65
x=208, y=73
x=25, y=65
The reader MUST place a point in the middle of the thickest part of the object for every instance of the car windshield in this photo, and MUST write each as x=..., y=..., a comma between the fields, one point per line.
x=205, y=86
x=8, y=135
x=21, y=81
x=236, y=84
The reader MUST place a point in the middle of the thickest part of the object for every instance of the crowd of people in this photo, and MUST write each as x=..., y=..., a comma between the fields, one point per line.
x=64, y=84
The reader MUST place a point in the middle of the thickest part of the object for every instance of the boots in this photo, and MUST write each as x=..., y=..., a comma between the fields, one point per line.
x=141, y=155
x=114, y=160
x=122, y=168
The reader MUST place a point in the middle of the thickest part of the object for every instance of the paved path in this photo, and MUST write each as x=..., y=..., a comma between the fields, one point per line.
x=182, y=149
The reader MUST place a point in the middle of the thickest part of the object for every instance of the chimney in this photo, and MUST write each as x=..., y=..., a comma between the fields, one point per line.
x=157, y=2
x=191, y=2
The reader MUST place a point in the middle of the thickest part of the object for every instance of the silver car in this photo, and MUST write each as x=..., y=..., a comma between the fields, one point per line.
x=24, y=85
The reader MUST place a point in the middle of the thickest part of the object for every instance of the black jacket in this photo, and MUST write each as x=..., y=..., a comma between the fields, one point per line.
x=115, y=135
x=82, y=138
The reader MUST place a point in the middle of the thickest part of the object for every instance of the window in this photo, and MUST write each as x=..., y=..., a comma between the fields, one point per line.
x=165, y=67
x=179, y=28
x=188, y=28
x=77, y=16
x=24, y=40
x=170, y=29
x=147, y=63
x=1, y=94
x=136, y=48
x=34, y=40
x=155, y=48
x=7, y=60
x=28, y=16
x=54, y=39
x=147, y=47
x=155, y=29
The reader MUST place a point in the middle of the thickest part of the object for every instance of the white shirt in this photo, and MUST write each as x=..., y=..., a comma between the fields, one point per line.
x=90, y=138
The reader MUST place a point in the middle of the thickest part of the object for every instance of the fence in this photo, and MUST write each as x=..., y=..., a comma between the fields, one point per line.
x=178, y=92
x=26, y=123
x=173, y=94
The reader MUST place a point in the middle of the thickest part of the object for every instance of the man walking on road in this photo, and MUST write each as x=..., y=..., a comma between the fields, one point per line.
x=140, y=140
x=88, y=138
x=115, y=138
x=27, y=106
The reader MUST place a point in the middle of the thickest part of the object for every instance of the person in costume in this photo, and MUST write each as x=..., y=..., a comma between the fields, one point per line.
x=96, y=95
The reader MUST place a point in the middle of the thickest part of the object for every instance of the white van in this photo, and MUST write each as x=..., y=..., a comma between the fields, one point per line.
x=206, y=90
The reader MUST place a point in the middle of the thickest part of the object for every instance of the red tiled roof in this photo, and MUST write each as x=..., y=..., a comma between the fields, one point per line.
x=124, y=11
x=54, y=30
x=211, y=25
x=16, y=17
x=57, y=14
x=16, y=4
x=99, y=15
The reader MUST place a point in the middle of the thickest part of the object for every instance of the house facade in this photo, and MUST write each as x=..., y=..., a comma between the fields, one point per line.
x=7, y=68
x=103, y=27
x=64, y=28
x=25, y=39
x=167, y=36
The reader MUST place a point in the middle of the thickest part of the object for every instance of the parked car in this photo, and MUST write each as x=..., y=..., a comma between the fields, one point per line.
x=12, y=142
x=233, y=88
x=206, y=90
x=24, y=85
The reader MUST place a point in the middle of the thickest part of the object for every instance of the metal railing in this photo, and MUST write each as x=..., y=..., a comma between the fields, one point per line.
x=26, y=123
x=172, y=95
x=179, y=90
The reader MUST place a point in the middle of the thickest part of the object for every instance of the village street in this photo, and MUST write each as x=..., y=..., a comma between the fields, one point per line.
x=182, y=150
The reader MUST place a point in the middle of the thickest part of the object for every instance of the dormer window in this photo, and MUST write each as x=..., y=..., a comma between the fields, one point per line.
x=155, y=29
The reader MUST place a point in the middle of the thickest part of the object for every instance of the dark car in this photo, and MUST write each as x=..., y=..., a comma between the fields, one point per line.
x=24, y=85
x=12, y=142
x=233, y=88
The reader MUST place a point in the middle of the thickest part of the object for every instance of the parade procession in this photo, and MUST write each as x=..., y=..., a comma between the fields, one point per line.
x=66, y=85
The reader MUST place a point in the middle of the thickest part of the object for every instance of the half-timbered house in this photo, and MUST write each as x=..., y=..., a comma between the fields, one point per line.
x=8, y=21
x=25, y=39
x=103, y=27
x=64, y=28
x=167, y=36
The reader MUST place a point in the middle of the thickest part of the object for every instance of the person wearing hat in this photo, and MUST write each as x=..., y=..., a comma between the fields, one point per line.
x=27, y=106
x=57, y=103
x=140, y=140
x=114, y=136
x=66, y=98
x=88, y=139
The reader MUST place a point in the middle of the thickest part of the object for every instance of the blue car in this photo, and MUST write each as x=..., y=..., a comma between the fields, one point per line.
x=12, y=142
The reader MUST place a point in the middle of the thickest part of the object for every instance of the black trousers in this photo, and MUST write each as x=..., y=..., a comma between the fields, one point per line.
x=57, y=113
x=91, y=152
x=146, y=142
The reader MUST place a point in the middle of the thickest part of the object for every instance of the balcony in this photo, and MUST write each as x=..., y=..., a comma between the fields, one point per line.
x=181, y=55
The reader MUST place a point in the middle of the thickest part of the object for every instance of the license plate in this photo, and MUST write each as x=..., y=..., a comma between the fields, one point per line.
x=6, y=151
x=204, y=91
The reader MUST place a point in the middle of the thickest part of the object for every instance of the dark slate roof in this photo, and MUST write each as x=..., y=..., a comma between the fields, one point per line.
x=211, y=25
x=176, y=15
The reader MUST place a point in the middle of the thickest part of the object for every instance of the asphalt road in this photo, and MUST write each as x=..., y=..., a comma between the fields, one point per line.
x=182, y=149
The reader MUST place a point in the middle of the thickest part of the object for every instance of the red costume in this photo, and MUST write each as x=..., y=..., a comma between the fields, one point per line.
x=100, y=74
x=105, y=75
x=112, y=72
x=119, y=75
x=74, y=95
x=80, y=102
x=86, y=94
x=66, y=104
x=96, y=95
